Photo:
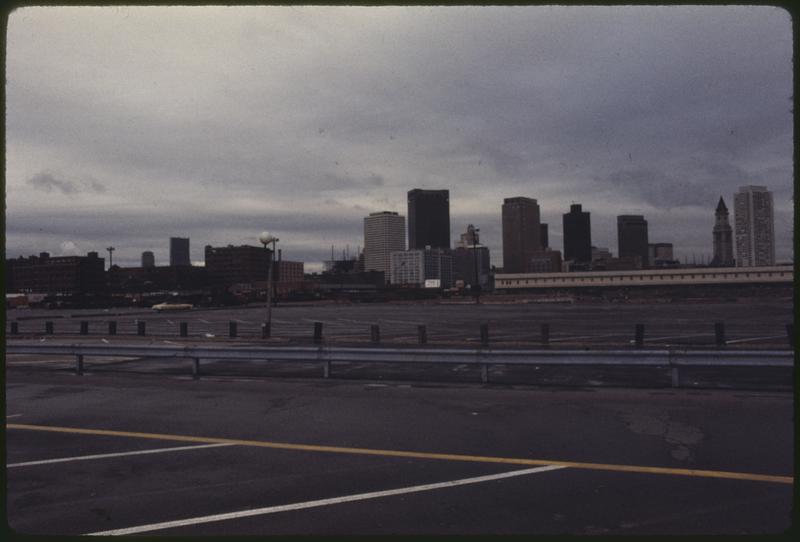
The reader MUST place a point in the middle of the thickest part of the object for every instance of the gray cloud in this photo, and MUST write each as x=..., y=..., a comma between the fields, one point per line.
x=303, y=120
x=49, y=182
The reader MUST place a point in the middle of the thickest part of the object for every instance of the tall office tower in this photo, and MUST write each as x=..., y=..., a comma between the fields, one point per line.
x=384, y=233
x=148, y=259
x=179, y=251
x=632, y=238
x=723, y=238
x=577, y=234
x=755, y=222
x=521, y=235
x=428, y=218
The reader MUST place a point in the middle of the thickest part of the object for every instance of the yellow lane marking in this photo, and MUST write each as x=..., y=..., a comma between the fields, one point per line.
x=415, y=455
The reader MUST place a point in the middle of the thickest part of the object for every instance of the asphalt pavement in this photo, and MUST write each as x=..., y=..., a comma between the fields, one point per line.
x=748, y=323
x=162, y=454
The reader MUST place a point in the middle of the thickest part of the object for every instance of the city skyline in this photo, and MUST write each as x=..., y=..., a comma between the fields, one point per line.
x=127, y=125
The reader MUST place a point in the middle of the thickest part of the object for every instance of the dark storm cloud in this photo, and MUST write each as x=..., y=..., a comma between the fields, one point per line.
x=48, y=182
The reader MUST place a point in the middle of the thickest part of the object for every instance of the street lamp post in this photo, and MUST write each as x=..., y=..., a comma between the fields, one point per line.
x=477, y=286
x=266, y=238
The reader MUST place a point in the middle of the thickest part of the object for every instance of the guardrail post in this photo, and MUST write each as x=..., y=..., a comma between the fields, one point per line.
x=674, y=376
x=183, y=329
x=317, y=332
x=112, y=328
x=14, y=328
x=545, y=334
x=265, y=330
x=140, y=327
x=232, y=330
x=719, y=333
x=327, y=367
x=639, y=336
x=79, y=364
x=484, y=334
x=374, y=333
x=789, y=334
x=485, y=373
x=195, y=368
x=422, y=334
x=84, y=327
x=48, y=327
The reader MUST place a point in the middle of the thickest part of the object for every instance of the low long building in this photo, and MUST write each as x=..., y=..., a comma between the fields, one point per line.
x=645, y=277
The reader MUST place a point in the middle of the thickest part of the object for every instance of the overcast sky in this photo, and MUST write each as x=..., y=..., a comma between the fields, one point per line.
x=128, y=125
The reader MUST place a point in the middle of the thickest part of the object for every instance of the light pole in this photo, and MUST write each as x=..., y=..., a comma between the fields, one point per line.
x=477, y=286
x=267, y=238
x=110, y=256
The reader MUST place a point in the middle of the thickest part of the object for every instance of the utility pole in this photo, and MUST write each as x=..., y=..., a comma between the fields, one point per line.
x=476, y=287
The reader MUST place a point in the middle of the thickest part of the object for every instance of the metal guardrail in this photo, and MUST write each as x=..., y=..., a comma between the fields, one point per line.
x=483, y=357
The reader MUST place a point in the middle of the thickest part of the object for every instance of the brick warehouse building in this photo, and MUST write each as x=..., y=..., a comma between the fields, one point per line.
x=56, y=275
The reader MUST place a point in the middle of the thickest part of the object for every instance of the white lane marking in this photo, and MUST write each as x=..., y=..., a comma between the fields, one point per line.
x=204, y=321
x=118, y=454
x=13, y=416
x=321, y=502
x=403, y=322
x=560, y=339
x=242, y=321
x=36, y=362
x=648, y=339
x=750, y=339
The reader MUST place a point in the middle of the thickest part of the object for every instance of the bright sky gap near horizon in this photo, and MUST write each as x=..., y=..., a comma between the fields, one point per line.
x=126, y=126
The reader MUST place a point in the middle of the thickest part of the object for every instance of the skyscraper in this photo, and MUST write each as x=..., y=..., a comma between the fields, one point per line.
x=148, y=259
x=384, y=233
x=723, y=237
x=755, y=222
x=179, y=251
x=428, y=218
x=521, y=235
x=544, y=237
x=632, y=237
x=469, y=257
x=577, y=235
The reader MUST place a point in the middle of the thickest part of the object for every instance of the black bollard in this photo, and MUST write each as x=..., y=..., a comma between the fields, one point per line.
x=484, y=334
x=422, y=334
x=789, y=334
x=545, y=334
x=14, y=328
x=719, y=333
x=140, y=328
x=183, y=329
x=317, y=332
x=375, y=333
x=48, y=327
x=84, y=327
x=232, y=330
x=112, y=328
x=639, y=337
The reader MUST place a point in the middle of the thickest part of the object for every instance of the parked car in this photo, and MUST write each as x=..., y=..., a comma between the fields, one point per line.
x=172, y=307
